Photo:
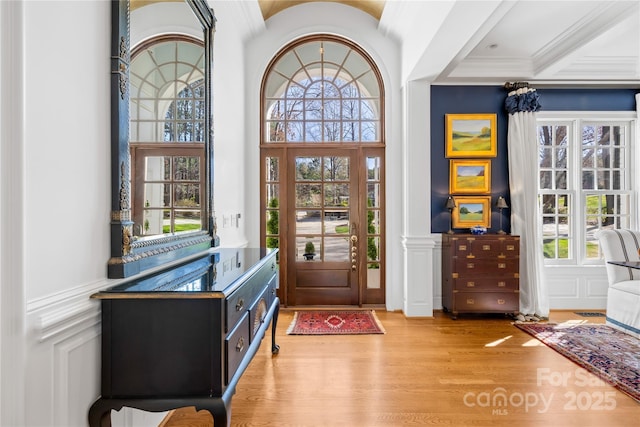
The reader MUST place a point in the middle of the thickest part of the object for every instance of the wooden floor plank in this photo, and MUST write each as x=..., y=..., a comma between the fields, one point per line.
x=434, y=371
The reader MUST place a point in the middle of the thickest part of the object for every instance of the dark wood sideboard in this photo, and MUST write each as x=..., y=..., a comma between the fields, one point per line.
x=480, y=273
x=184, y=336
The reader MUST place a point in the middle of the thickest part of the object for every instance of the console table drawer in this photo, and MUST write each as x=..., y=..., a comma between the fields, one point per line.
x=486, y=301
x=244, y=297
x=236, y=345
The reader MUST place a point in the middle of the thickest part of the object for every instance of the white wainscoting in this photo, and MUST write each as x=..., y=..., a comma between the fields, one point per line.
x=63, y=361
x=574, y=288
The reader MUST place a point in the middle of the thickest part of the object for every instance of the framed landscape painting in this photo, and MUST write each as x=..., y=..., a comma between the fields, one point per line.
x=471, y=135
x=472, y=211
x=470, y=176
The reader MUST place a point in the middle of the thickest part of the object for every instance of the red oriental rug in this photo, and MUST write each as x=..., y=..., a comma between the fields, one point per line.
x=611, y=355
x=335, y=322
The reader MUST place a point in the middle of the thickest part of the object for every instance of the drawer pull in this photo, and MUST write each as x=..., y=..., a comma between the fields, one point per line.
x=240, y=345
x=240, y=304
x=501, y=301
x=471, y=284
x=511, y=247
x=486, y=247
x=470, y=265
x=502, y=284
x=502, y=265
x=470, y=301
x=471, y=256
x=462, y=247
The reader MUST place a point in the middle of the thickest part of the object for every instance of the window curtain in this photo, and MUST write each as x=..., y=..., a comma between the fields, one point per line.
x=522, y=103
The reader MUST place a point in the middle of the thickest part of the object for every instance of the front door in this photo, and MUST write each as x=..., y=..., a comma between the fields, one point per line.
x=324, y=223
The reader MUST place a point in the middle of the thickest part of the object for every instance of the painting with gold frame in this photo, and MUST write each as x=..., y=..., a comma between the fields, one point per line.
x=470, y=211
x=470, y=176
x=471, y=135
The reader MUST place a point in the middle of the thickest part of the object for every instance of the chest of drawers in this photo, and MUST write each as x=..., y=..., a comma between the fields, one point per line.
x=184, y=336
x=480, y=273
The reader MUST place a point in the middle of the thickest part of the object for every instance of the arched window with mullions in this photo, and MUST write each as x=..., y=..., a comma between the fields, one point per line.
x=167, y=135
x=322, y=168
x=322, y=91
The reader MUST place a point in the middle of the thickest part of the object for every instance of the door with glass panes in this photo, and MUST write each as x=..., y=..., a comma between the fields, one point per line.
x=332, y=219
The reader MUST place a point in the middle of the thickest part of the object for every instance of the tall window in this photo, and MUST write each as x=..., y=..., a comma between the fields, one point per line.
x=585, y=184
x=319, y=91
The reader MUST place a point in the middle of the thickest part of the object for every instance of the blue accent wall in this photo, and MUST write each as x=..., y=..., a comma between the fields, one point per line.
x=490, y=99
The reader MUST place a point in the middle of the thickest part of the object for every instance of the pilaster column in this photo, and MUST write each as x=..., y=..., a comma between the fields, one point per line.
x=417, y=243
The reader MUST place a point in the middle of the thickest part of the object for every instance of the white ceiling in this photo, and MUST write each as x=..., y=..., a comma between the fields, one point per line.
x=540, y=41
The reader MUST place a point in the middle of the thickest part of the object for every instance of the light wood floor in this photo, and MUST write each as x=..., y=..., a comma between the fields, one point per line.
x=421, y=372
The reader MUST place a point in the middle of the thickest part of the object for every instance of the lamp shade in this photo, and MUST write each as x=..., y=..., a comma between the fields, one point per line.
x=450, y=203
x=501, y=203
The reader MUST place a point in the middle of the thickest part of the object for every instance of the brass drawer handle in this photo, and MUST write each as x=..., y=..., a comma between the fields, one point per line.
x=486, y=247
x=511, y=247
x=502, y=284
x=462, y=247
x=502, y=265
x=501, y=301
x=240, y=304
x=240, y=345
x=471, y=284
x=470, y=301
x=470, y=265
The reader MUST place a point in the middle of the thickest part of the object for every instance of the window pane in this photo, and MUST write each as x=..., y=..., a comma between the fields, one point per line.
x=561, y=158
x=373, y=195
x=336, y=195
x=546, y=157
x=336, y=222
x=157, y=195
x=336, y=249
x=187, y=220
x=308, y=249
x=186, y=168
x=561, y=180
x=272, y=168
x=373, y=169
x=157, y=168
x=273, y=194
x=546, y=180
x=308, y=169
x=308, y=195
x=336, y=168
x=187, y=195
x=308, y=222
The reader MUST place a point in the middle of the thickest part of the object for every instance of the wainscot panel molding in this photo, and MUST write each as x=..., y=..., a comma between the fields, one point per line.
x=418, y=276
x=65, y=311
x=437, y=273
x=577, y=288
x=73, y=385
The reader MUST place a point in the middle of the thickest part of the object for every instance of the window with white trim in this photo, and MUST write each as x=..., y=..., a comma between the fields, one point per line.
x=585, y=182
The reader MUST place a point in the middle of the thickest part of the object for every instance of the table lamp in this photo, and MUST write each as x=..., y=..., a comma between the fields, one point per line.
x=501, y=204
x=450, y=205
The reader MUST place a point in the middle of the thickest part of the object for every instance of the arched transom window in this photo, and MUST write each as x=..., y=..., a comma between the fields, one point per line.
x=322, y=91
